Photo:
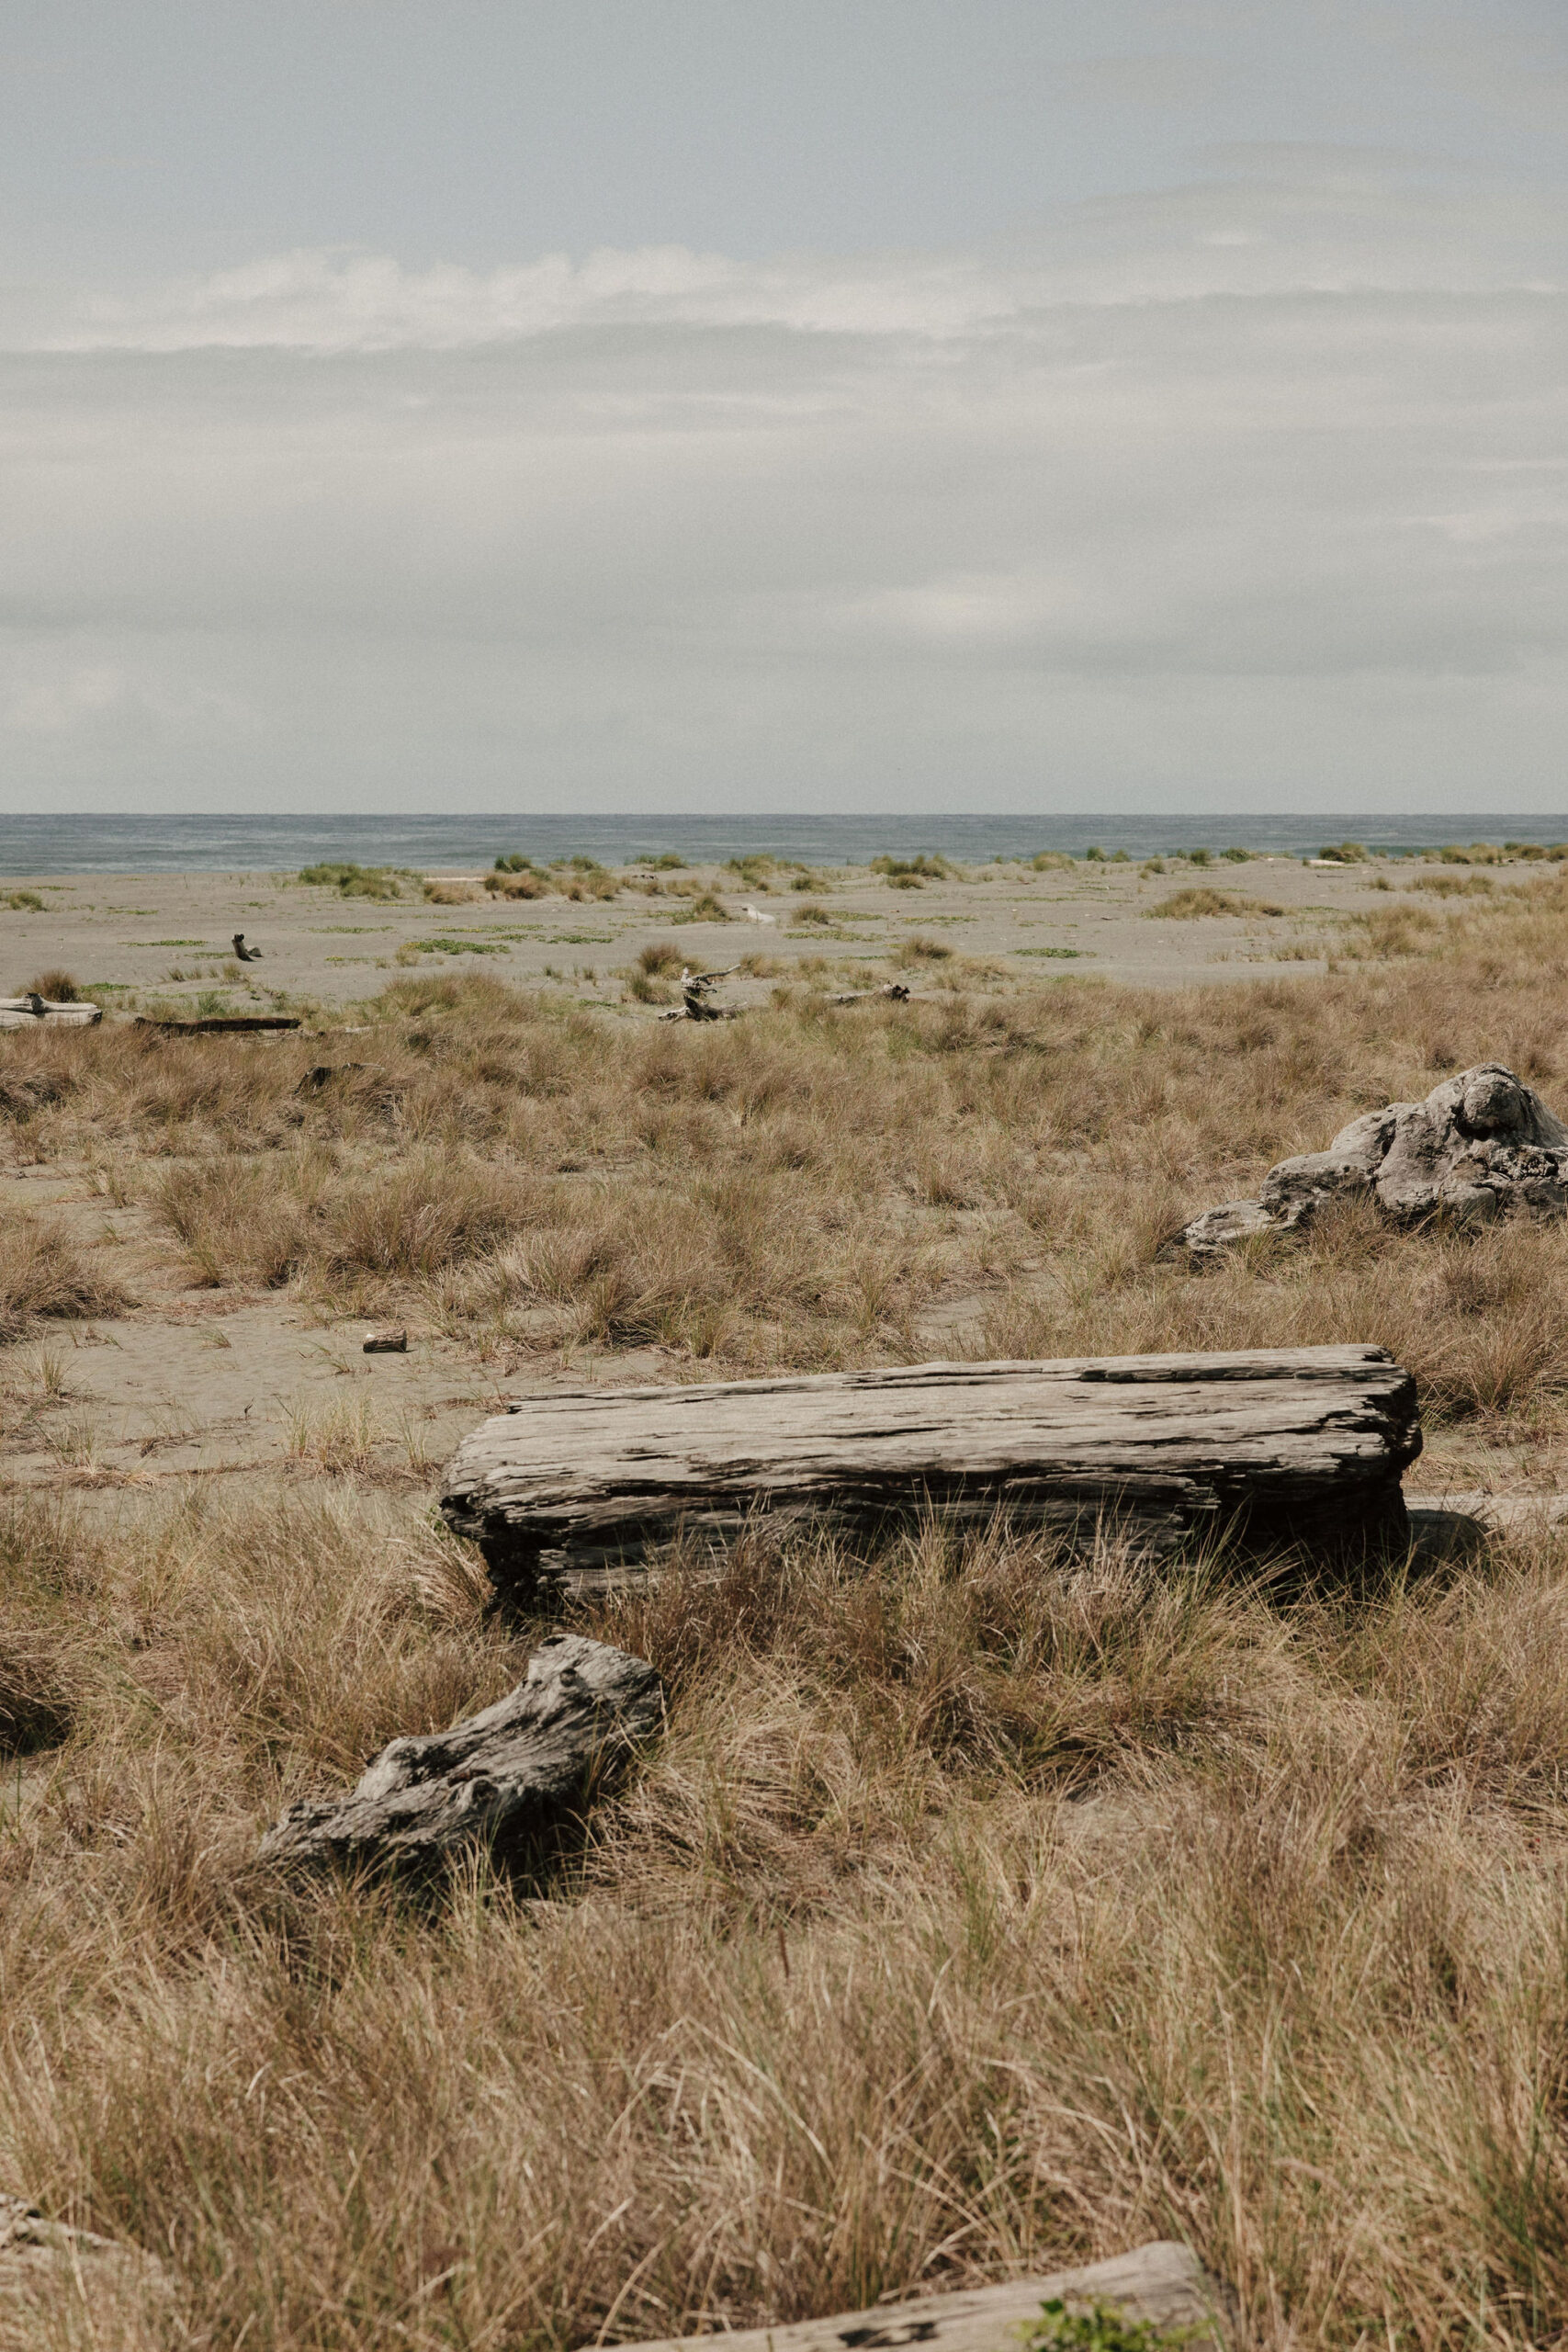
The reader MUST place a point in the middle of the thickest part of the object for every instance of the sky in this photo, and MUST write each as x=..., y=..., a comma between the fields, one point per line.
x=715, y=405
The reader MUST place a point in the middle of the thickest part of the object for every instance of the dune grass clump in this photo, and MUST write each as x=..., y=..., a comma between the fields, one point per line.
x=1191, y=905
x=353, y=881
x=43, y=1273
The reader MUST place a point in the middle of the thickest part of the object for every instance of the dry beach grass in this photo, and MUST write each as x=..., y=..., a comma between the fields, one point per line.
x=982, y=1909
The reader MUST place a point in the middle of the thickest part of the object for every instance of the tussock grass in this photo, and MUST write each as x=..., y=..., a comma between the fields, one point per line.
x=810, y=1185
x=982, y=1909
x=1189, y=906
x=43, y=1273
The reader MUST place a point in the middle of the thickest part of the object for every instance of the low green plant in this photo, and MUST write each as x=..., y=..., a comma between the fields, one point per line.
x=1097, y=2327
x=23, y=902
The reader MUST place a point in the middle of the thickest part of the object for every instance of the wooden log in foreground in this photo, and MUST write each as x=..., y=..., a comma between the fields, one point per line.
x=1163, y=2285
x=1277, y=1446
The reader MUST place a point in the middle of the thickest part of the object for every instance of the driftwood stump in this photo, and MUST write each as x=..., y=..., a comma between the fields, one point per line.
x=500, y=1778
x=1283, y=1446
x=1482, y=1146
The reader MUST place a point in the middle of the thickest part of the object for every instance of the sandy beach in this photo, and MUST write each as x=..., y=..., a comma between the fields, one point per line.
x=154, y=941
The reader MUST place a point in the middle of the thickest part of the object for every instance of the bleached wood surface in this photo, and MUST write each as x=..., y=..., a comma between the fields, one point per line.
x=1304, y=1443
x=1163, y=2283
x=32, y=1013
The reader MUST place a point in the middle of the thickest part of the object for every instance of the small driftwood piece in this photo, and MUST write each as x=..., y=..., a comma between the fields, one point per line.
x=238, y=1022
x=893, y=990
x=389, y=1340
x=243, y=954
x=1279, y=1445
x=1164, y=2285
x=38, y=2253
x=521, y=1768
x=695, y=1004
x=32, y=1010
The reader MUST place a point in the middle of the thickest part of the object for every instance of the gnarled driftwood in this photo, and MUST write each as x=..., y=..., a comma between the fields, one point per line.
x=499, y=1778
x=1482, y=1146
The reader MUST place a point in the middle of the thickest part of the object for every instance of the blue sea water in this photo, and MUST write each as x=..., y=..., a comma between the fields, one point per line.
x=129, y=844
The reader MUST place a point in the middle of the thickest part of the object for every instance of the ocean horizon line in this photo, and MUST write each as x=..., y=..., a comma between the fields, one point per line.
x=76, y=842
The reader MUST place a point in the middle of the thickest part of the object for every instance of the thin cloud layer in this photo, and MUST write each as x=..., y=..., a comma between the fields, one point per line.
x=1256, y=489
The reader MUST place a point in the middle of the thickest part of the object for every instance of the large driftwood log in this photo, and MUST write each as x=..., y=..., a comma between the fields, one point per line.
x=1164, y=2285
x=499, y=1778
x=1285, y=1445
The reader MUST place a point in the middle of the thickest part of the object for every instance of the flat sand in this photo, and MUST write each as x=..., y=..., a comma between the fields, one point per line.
x=168, y=935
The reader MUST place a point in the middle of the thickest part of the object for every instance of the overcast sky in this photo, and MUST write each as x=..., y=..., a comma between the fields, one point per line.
x=728, y=404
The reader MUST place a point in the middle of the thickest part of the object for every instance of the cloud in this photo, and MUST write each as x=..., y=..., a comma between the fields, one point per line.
x=1254, y=488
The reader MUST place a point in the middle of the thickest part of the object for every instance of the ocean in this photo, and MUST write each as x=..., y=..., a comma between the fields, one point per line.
x=115, y=844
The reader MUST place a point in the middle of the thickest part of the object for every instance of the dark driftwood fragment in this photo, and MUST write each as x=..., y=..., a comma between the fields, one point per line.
x=500, y=1778
x=237, y=1022
x=1285, y=1445
x=1164, y=2285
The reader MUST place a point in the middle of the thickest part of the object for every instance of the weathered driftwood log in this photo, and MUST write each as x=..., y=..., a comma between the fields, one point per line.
x=1284, y=1445
x=518, y=1770
x=31, y=1011
x=1164, y=2285
x=1482, y=1146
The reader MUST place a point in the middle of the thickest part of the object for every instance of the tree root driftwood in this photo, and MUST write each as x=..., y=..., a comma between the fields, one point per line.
x=1163, y=2286
x=1482, y=1146
x=1278, y=1448
x=509, y=1777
